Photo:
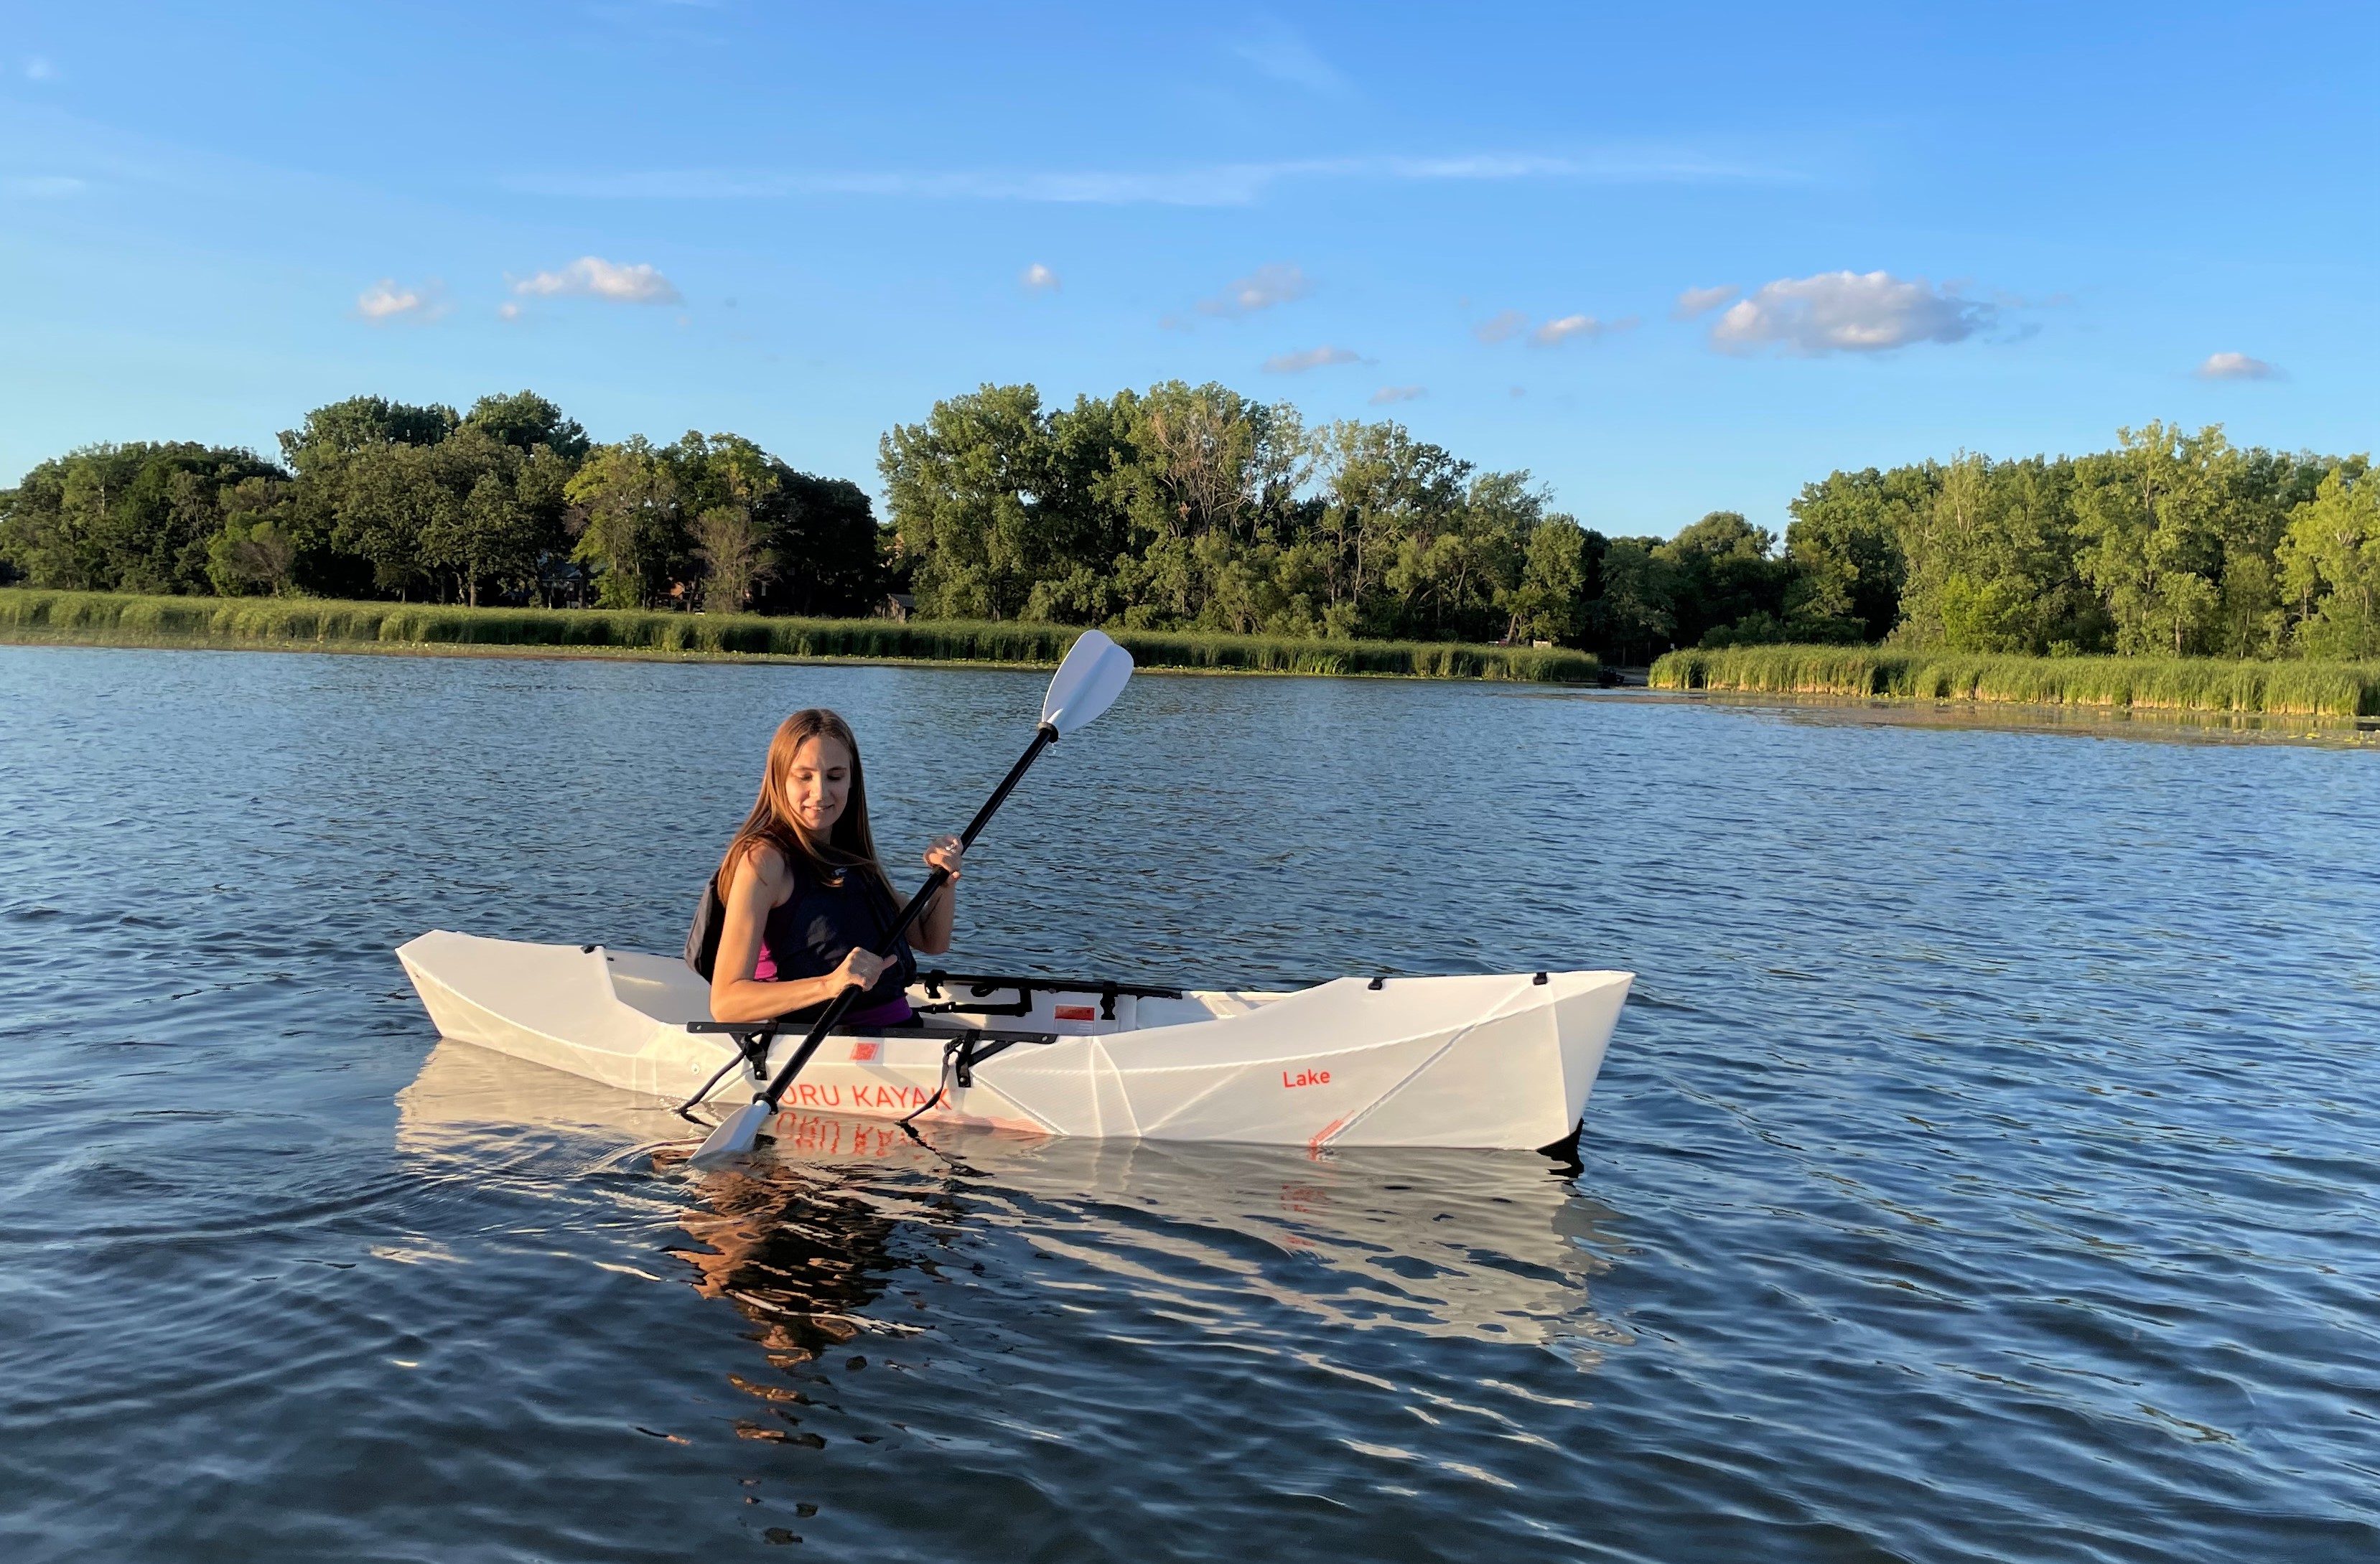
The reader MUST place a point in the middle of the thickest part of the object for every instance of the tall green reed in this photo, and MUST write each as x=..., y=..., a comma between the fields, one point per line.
x=2316, y=689
x=29, y=613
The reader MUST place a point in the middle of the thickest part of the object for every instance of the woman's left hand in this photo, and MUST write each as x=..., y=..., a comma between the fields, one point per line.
x=944, y=855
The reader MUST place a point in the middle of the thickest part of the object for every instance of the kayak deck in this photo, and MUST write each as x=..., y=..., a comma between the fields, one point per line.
x=1503, y=1060
x=672, y=993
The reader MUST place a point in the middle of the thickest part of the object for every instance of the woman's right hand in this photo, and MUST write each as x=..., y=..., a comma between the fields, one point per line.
x=859, y=970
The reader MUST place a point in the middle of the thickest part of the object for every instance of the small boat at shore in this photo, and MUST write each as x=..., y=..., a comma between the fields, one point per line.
x=1493, y=1062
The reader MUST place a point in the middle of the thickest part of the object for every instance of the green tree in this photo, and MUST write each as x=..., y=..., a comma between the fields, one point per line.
x=525, y=420
x=1722, y=576
x=1992, y=559
x=2330, y=564
x=257, y=549
x=2149, y=514
x=342, y=429
x=1548, y=601
x=123, y=518
x=728, y=546
x=388, y=499
x=1844, y=545
x=827, y=554
x=1634, y=616
x=626, y=504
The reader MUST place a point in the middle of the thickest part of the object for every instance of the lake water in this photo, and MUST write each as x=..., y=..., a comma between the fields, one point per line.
x=1985, y=1168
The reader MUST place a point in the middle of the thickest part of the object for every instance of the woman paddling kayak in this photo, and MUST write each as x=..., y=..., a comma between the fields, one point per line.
x=805, y=901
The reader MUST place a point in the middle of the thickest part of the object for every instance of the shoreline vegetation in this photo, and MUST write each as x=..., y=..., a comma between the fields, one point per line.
x=2167, y=684
x=37, y=617
x=1208, y=530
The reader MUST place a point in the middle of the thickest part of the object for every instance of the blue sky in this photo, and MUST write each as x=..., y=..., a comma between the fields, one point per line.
x=2009, y=229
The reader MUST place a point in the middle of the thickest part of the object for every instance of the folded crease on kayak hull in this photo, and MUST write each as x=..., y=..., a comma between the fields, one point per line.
x=1502, y=1061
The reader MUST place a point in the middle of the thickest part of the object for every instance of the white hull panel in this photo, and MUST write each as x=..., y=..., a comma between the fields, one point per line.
x=1485, y=1061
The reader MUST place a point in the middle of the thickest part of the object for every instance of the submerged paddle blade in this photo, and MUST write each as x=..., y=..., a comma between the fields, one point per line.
x=734, y=1136
x=1088, y=682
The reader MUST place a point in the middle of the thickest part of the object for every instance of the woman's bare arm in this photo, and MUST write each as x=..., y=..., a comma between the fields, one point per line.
x=757, y=884
x=931, y=934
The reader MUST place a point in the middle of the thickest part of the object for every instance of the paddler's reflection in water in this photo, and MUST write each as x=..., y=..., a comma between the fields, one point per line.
x=1488, y=1247
x=841, y=1225
x=795, y=1248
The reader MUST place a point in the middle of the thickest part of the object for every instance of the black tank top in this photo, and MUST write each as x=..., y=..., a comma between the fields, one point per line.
x=819, y=924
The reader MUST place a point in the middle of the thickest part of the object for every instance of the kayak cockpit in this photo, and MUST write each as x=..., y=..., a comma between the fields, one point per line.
x=672, y=993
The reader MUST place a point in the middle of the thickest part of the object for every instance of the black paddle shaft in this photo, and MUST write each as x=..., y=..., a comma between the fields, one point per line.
x=1043, y=737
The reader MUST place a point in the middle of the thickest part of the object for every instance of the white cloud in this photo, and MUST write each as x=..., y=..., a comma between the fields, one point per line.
x=508, y=310
x=1312, y=359
x=591, y=276
x=1502, y=327
x=1510, y=324
x=1283, y=56
x=1555, y=333
x=44, y=187
x=386, y=302
x=1389, y=394
x=1226, y=184
x=1277, y=283
x=1848, y=313
x=40, y=68
x=2237, y=366
x=1038, y=278
x=1700, y=301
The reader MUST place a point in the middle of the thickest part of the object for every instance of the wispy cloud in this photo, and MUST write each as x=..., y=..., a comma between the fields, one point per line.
x=508, y=310
x=1224, y=184
x=1281, y=53
x=1278, y=282
x=1312, y=359
x=2237, y=366
x=1848, y=313
x=43, y=187
x=1502, y=327
x=1390, y=394
x=1510, y=324
x=1038, y=278
x=38, y=67
x=385, y=301
x=1702, y=301
x=591, y=276
x=1553, y=333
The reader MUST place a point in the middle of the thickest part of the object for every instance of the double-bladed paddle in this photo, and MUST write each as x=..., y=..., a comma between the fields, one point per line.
x=1087, y=684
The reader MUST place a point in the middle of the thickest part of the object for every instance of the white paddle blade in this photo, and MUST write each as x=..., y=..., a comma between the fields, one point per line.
x=734, y=1136
x=1088, y=682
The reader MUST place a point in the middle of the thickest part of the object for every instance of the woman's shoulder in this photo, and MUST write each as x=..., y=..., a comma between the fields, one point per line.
x=766, y=860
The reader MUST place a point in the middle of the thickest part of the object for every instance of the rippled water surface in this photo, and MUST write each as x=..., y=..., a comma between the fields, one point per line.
x=1985, y=1168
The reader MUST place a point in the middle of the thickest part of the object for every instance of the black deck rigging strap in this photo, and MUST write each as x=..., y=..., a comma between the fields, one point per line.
x=752, y=1040
x=969, y=1047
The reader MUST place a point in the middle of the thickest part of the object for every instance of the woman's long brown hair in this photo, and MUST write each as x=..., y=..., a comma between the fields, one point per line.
x=850, y=845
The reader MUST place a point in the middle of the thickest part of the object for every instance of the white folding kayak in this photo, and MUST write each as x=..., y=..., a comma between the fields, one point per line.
x=1502, y=1061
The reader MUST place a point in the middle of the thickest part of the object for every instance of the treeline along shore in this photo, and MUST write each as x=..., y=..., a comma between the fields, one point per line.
x=122, y=619
x=1195, y=511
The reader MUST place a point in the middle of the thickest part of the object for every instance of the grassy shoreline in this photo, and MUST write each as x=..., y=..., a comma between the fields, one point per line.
x=2306, y=689
x=37, y=616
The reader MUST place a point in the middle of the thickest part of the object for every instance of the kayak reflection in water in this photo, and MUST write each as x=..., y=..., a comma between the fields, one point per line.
x=804, y=902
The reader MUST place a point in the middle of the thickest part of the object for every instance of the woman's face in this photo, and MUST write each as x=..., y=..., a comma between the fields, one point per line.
x=818, y=779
